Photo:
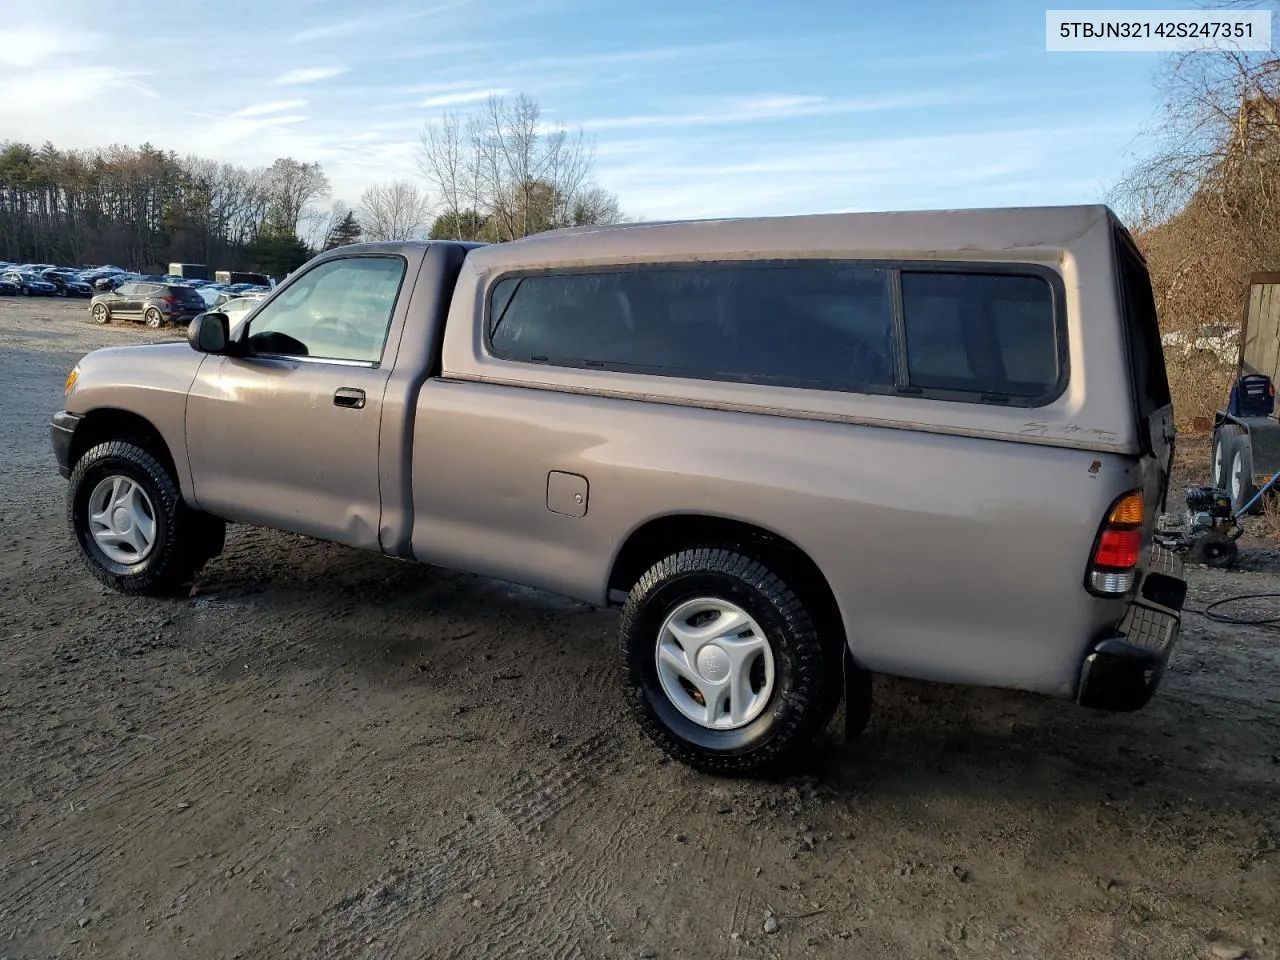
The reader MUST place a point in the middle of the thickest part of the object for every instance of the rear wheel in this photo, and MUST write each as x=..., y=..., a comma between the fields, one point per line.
x=152, y=317
x=100, y=313
x=723, y=665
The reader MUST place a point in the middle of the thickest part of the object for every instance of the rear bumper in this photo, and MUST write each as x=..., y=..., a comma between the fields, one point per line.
x=1122, y=671
x=61, y=432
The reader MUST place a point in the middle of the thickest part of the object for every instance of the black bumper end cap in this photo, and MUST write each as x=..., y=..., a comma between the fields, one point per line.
x=61, y=432
x=1119, y=676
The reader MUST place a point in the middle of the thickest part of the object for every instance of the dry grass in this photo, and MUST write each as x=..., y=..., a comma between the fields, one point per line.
x=1266, y=525
x=1199, y=386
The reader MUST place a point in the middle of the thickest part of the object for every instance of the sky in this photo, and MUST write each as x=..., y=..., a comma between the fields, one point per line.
x=697, y=108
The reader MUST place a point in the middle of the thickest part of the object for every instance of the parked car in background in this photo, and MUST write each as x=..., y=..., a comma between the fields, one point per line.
x=31, y=284
x=155, y=304
x=113, y=280
x=68, y=284
x=237, y=308
x=8, y=288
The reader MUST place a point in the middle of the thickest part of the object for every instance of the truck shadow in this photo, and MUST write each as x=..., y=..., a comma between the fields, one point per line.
x=1189, y=746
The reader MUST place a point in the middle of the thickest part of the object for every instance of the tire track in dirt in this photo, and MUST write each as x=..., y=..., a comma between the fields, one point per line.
x=504, y=838
x=169, y=776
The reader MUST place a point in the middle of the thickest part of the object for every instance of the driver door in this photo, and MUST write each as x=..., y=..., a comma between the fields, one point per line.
x=285, y=434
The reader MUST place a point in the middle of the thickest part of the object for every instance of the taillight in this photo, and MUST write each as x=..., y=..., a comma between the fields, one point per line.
x=169, y=299
x=1118, y=547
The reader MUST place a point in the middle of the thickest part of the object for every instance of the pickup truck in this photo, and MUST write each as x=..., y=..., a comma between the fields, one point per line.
x=794, y=451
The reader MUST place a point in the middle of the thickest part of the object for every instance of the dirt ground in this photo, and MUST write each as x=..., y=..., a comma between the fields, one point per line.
x=324, y=753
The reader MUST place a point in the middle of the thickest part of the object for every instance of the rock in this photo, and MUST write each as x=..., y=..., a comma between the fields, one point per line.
x=770, y=925
x=961, y=873
x=682, y=838
x=647, y=953
x=1228, y=951
x=184, y=805
x=82, y=922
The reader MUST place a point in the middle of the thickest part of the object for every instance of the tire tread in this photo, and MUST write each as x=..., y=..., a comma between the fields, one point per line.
x=817, y=690
x=182, y=553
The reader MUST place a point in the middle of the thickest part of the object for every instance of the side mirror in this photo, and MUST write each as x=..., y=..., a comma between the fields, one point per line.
x=209, y=332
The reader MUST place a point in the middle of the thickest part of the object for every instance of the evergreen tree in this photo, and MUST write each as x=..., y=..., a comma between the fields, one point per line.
x=278, y=250
x=347, y=230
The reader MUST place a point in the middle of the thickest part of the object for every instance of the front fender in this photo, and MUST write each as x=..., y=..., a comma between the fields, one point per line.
x=121, y=390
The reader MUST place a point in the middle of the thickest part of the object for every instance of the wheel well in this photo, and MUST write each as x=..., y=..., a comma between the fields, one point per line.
x=667, y=535
x=103, y=425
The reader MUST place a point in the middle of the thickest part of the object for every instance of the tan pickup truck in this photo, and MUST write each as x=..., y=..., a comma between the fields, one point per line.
x=796, y=451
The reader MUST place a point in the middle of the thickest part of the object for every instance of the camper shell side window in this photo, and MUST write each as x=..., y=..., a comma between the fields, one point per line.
x=988, y=333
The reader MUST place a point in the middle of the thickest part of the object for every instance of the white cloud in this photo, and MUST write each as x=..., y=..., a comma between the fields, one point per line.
x=387, y=19
x=308, y=75
x=778, y=107
x=37, y=91
x=276, y=106
x=455, y=99
x=29, y=45
x=327, y=31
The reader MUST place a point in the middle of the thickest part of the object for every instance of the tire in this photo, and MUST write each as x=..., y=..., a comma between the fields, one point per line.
x=779, y=727
x=100, y=313
x=152, y=317
x=182, y=539
x=1216, y=552
x=1217, y=468
x=1237, y=460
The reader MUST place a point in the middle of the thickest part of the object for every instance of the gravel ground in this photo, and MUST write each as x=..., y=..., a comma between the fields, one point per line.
x=323, y=753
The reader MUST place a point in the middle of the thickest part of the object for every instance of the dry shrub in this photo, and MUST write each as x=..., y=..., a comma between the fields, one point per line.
x=1266, y=525
x=1199, y=386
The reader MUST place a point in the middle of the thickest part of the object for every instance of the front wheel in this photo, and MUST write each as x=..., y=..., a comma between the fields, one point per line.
x=723, y=664
x=152, y=317
x=100, y=314
x=134, y=532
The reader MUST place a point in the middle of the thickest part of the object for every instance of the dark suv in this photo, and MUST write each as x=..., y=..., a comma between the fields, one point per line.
x=152, y=303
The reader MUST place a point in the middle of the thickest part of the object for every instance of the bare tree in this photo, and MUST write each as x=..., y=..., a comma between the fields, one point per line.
x=394, y=211
x=505, y=168
x=293, y=187
x=447, y=165
x=321, y=224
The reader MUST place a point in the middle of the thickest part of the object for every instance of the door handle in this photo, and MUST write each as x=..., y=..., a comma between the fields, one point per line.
x=349, y=397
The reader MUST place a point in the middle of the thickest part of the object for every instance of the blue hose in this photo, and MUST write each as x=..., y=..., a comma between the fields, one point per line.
x=1275, y=477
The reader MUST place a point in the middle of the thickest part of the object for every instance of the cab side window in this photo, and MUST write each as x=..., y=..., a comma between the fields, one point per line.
x=339, y=310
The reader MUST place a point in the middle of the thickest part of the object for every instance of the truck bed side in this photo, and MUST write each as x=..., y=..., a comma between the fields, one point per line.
x=931, y=586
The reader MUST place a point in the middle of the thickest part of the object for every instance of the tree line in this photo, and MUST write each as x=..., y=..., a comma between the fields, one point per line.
x=143, y=207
